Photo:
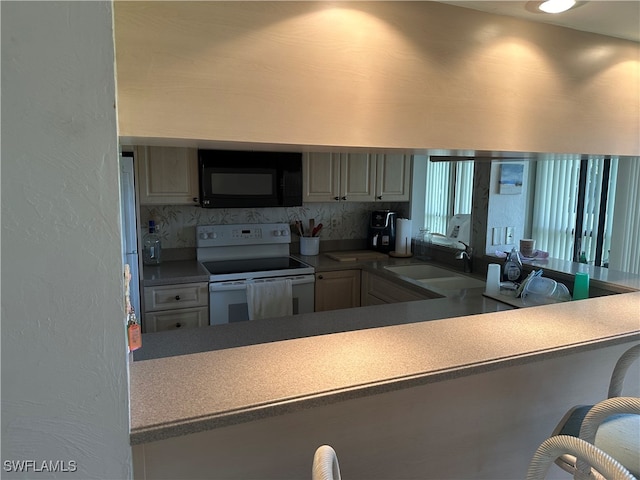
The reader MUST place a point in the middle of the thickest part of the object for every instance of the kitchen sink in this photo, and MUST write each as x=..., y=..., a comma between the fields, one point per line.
x=421, y=272
x=453, y=283
x=436, y=277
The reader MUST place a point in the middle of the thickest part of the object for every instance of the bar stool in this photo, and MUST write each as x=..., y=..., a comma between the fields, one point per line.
x=612, y=425
x=325, y=464
x=587, y=454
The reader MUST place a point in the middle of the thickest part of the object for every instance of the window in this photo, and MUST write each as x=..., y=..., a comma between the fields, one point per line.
x=625, y=229
x=573, y=210
x=449, y=188
x=555, y=203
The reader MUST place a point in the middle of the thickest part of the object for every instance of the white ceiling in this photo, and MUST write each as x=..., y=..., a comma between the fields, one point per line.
x=615, y=18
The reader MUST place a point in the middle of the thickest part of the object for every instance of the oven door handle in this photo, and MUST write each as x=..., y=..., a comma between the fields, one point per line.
x=242, y=284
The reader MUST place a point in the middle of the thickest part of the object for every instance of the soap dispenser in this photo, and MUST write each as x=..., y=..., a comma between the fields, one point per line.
x=512, y=270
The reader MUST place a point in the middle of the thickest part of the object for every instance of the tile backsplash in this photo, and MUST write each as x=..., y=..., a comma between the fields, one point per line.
x=341, y=220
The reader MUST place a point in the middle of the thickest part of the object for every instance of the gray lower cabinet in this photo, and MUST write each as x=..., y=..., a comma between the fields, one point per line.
x=377, y=290
x=171, y=307
x=337, y=289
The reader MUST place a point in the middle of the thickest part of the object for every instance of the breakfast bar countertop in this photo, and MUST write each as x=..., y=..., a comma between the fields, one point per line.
x=193, y=392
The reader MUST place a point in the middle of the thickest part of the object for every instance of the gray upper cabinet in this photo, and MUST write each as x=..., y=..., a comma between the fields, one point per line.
x=393, y=177
x=356, y=177
x=167, y=175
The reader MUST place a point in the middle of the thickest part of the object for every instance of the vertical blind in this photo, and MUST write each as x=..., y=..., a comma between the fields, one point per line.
x=555, y=203
x=592, y=206
x=449, y=189
x=608, y=230
x=625, y=254
x=463, y=187
x=437, y=208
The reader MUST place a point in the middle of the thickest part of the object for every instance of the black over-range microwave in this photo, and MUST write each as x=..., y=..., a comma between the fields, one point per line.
x=236, y=179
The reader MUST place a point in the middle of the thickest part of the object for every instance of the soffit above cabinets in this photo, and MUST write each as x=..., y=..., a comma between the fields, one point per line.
x=450, y=77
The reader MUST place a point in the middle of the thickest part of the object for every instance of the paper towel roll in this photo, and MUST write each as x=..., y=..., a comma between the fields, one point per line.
x=493, y=279
x=403, y=236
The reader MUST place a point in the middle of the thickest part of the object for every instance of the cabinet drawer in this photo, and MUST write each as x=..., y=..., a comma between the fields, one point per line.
x=170, y=297
x=176, y=319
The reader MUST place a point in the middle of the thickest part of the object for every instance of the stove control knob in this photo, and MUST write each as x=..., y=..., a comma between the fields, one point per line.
x=276, y=233
x=284, y=233
x=213, y=235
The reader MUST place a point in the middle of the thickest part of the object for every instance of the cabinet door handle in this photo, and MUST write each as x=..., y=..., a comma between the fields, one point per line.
x=343, y=198
x=177, y=297
x=178, y=325
x=336, y=198
x=195, y=199
x=379, y=197
x=320, y=277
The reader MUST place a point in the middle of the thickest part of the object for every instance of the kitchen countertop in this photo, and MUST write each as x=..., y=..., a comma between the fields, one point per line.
x=189, y=271
x=185, y=394
x=192, y=380
x=174, y=272
x=188, y=341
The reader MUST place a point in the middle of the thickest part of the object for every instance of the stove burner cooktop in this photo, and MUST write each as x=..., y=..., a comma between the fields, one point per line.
x=249, y=265
x=263, y=267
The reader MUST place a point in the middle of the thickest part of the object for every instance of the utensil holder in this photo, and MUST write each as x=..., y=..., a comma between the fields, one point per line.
x=309, y=245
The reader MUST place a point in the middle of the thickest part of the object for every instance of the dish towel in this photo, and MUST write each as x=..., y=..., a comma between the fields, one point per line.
x=268, y=299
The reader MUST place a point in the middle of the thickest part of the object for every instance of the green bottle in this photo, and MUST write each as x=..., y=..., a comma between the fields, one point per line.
x=583, y=258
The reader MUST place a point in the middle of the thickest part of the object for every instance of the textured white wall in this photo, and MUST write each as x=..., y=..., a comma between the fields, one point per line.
x=506, y=210
x=64, y=372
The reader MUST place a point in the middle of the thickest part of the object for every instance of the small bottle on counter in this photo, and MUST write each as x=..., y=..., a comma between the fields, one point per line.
x=512, y=270
x=151, y=247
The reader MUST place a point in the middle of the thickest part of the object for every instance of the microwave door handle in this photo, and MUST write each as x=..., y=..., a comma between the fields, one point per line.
x=281, y=187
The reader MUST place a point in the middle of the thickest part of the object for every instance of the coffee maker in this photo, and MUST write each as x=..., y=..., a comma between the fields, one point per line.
x=382, y=231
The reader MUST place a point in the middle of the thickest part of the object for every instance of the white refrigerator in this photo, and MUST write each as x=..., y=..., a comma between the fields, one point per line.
x=129, y=227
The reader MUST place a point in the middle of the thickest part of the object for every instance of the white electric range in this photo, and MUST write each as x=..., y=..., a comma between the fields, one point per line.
x=235, y=254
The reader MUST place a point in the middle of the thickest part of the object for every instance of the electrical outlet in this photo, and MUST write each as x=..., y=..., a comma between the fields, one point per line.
x=335, y=222
x=510, y=237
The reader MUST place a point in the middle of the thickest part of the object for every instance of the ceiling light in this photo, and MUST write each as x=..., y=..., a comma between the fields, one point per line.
x=556, y=6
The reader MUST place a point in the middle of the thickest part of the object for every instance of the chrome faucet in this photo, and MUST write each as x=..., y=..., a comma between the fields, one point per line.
x=466, y=256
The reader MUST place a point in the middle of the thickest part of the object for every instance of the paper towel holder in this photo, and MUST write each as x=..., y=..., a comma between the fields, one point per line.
x=403, y=224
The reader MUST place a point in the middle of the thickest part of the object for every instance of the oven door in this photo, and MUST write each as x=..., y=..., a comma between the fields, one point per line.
x=228, y=300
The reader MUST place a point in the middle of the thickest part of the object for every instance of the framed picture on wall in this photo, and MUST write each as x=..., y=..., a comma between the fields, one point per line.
x=511, y=176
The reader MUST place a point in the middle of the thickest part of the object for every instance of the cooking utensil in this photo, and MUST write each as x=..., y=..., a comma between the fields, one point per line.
x=316, y=231
x=299, y=228
x=312, y=225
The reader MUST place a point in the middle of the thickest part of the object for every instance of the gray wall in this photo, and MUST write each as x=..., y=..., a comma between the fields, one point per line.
x=64, y=370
